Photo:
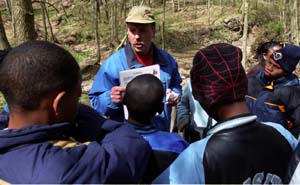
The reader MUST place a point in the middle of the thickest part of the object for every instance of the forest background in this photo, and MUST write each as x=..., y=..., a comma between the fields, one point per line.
x=93, y=29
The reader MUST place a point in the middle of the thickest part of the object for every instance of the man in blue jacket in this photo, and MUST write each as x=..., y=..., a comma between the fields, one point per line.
x=41, y=83
x=106, y=94
x=238, y=149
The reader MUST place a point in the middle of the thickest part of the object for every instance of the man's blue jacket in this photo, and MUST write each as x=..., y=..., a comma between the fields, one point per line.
x=108, y=77
x=48, y=154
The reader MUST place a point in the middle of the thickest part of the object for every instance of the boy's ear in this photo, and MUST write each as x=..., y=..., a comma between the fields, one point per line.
x=57, y=102
x=265, y=56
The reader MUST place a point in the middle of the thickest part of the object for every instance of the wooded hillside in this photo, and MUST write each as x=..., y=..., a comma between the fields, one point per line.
x=92, y=29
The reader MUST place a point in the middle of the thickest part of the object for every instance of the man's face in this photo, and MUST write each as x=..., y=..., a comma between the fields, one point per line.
x=273, y=70
x=140, y=36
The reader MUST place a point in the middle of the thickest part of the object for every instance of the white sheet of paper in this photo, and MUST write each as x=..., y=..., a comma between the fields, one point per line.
x=127, y=75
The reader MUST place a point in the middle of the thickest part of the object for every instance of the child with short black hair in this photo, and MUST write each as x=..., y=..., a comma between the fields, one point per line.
x=41, y=83
x=144, y=98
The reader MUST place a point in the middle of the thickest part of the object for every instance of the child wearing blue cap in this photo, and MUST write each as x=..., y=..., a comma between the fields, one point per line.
x=274, y=94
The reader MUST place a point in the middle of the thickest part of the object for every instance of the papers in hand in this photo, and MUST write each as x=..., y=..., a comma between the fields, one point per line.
x=127, y=75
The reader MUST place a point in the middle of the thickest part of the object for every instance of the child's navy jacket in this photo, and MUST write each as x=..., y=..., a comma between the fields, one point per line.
x=47, y=154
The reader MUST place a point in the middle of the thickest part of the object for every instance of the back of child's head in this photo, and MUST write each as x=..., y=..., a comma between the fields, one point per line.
x=35, y=69
x=218, y=77
x=144, y=97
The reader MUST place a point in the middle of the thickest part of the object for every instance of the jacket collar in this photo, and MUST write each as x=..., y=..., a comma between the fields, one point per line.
x=31, y=134
x=232, y=123
x=145, y=129
x=133, y=63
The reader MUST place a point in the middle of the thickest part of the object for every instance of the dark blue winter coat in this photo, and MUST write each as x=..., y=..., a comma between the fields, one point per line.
x=275, y=101
x=48, y=154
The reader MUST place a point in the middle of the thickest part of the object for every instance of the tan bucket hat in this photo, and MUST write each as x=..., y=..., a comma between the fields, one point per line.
x=140, y=14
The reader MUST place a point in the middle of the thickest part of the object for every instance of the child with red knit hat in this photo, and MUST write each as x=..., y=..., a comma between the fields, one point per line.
x=238, y=149
x=274, y=94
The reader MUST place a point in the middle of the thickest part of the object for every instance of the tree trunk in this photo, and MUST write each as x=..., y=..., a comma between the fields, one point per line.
x=208, y=11
x=221, y=6
x=195, y=9
x=106, y=11
x=294, y=24
x=284, y=18
x=53, y=38
x=173, y=6
x=43, y=7
x=4, y=44
x=96, y=13
x=233, y=3
x=114, y=24
x=8, y=5
x=64, y=10
x=245, y=32
x=242, y=7
x=163, y=25
x=281, y=10
x=124, y=9
x=256, y=4
x=23, y=17
x=142, y=3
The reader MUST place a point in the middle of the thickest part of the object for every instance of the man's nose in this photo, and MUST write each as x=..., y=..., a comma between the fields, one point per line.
x=137, y=36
